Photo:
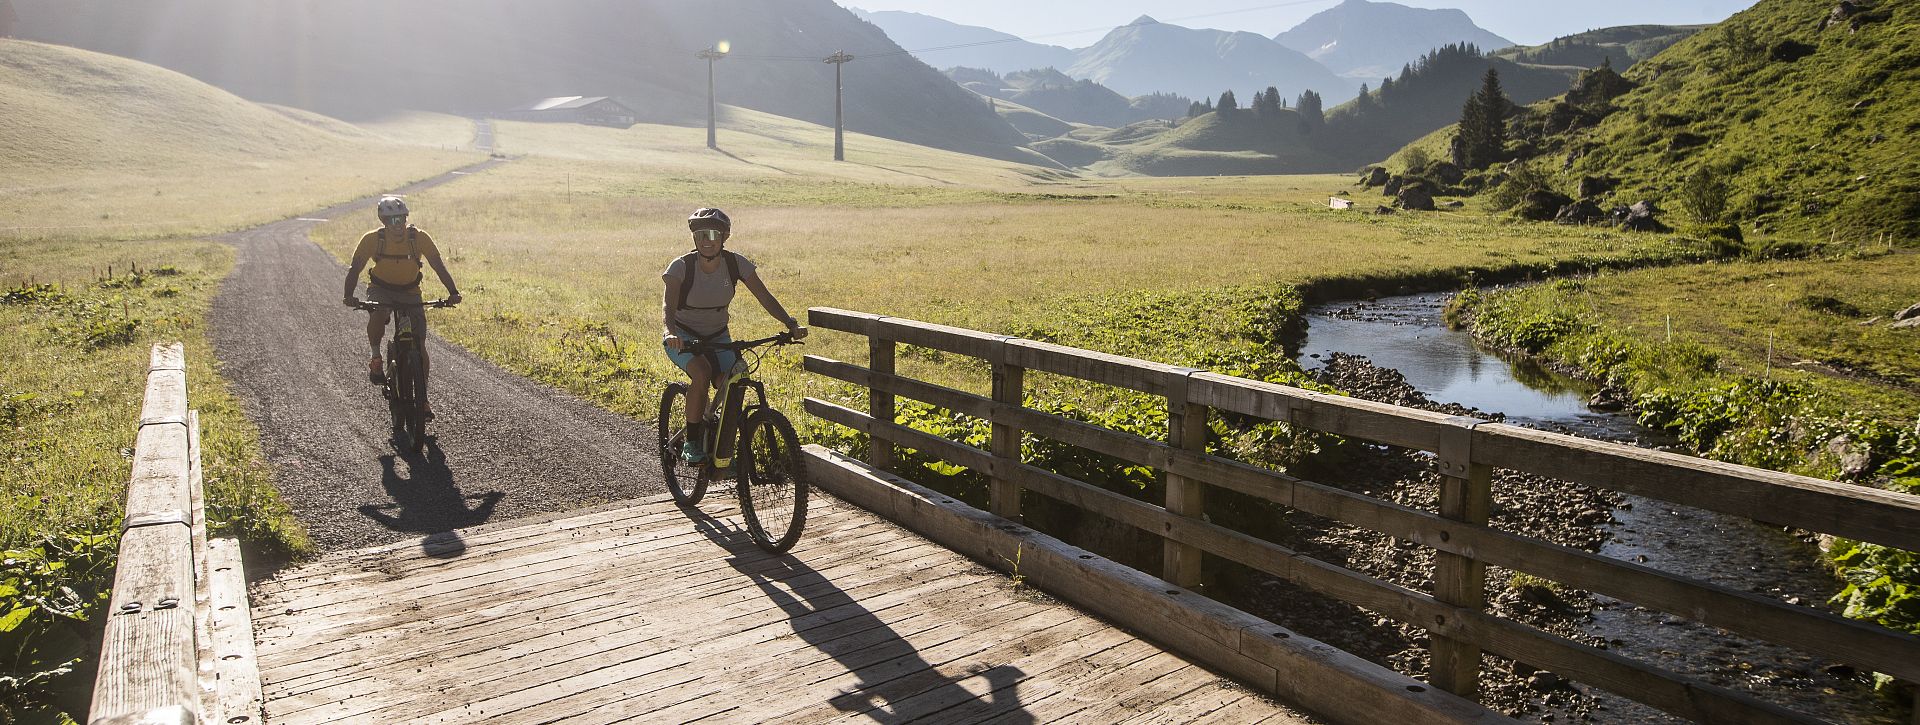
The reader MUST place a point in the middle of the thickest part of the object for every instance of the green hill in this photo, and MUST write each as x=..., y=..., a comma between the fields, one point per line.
x=97, y=146
x=1238, y=142
x=1805, y=126
x=1427, y=95
x=1623, y=46
x=70, y=109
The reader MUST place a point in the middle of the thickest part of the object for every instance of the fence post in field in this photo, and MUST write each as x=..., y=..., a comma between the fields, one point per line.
x=1187, y=430
x=1466, y=495
x=880, y=403
x=1009, y=388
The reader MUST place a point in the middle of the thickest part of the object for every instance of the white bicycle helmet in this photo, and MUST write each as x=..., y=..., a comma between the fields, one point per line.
x=392, y=206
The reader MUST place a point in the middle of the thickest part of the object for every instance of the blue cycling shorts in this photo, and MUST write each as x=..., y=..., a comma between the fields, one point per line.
x=726, y=358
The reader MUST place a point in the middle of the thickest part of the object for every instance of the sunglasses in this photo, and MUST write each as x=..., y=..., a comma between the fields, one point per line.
x=711, y=235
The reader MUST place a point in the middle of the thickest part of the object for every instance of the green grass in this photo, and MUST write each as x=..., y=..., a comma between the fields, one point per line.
x=96, y=146
x=560, y=256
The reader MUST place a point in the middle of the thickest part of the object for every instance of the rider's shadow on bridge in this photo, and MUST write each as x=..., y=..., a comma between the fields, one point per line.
x=894, y=677
x=426, y=501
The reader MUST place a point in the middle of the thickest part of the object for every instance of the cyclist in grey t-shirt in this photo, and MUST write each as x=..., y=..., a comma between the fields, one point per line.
x=698, y=311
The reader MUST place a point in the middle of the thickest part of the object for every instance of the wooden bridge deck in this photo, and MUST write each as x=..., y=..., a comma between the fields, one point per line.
x=638, y=613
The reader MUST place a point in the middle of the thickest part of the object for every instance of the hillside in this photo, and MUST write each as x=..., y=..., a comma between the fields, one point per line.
x=1238, y=142
x=1368, y=41
x=477, y=56
x=1805, y=125
x=1621, y=46
x=1054, y=94
x=1148, y=56
x=1427, y=95
x=97, y=146
x=982, y=47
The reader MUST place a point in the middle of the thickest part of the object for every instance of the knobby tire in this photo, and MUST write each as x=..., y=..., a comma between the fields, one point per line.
x=415, y=386
x=772, y=487
x=684, y=481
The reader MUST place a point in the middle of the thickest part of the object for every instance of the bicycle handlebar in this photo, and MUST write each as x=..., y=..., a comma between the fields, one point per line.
x=371, y=305
x=699, y=346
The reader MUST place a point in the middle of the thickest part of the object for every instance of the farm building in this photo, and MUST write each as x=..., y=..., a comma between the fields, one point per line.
x=597, y=110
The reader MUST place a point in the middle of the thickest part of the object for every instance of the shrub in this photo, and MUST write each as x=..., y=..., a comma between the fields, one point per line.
x=1704, y=196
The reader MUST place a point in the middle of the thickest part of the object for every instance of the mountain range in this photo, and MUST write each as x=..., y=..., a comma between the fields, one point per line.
x=1146, y=56
x=477, y=56
x=1372, y=40
x=965, y=46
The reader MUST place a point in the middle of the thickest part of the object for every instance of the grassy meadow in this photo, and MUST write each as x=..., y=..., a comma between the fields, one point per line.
x=560, y=251
x=100, y=147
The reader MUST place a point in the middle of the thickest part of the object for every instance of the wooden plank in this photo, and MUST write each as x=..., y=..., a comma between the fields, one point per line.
x=148, y=660
x=526, y=637
x=1235, y=642
x=1339, y=414
x=1124, y=372
x=880, y=404
x=828, y=318
x=238, y=690
x=1854, y=512
x=1186, y=430
x=1466, y=496
x=939, y=337
x=202, y=576
x=1091, y=701
x=1009, y=389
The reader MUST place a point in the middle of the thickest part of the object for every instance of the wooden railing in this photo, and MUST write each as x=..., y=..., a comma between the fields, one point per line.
x=1467, y=449
x=179, y=638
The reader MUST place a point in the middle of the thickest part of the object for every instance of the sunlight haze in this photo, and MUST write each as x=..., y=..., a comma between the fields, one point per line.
x=1079, y=23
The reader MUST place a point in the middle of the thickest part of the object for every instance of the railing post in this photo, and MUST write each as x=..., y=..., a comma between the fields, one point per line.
x=1009, y=387
x=1186, y=430
x=880, y=403
x=1466, y=495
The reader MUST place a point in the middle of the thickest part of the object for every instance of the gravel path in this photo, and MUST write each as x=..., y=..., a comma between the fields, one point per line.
x=503, y=447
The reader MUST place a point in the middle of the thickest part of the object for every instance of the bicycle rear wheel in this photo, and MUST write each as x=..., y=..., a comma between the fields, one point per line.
x=415, y=385
x=683, y=481
x=773, y=487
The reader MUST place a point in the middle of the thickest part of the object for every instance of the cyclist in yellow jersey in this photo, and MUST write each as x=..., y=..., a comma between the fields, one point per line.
x=397, y=251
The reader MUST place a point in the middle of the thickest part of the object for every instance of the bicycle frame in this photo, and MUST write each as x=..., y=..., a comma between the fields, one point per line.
x=729, y=407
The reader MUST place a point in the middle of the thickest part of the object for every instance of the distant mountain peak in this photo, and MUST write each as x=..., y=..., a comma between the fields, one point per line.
x=1144, y=20
x=1365, y=39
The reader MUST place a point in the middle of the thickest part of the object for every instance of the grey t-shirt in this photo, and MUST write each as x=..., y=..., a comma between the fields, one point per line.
x=712, y=290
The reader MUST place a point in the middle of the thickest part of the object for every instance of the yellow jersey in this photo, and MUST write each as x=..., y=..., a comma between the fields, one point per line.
x=397, y=258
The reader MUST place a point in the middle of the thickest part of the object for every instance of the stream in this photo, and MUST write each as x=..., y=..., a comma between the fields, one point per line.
x=1408, y=334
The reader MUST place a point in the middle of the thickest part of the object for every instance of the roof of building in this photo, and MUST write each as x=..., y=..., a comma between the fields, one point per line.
x=562, y=103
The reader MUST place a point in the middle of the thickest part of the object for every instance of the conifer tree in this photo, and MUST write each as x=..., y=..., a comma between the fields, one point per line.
x=1311, y=110
x=1363, y=104
x=1266, y=104
x=1482, y=136
x=1227, y=103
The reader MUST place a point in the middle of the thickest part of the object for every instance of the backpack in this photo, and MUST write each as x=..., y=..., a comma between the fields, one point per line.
x=686, y=283
x=413, y=253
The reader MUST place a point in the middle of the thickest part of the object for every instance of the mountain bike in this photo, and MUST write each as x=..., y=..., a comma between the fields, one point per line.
x=405, y=387
x=769, y=478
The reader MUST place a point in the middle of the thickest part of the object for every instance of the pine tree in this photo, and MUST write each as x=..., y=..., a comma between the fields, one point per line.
x=1227, y=104
x=1363, y=104
x=1311, y=110
x=1482, y=136
x=1266, y=104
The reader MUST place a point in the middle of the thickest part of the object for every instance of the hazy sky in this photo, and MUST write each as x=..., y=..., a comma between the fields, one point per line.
x=1522, y=21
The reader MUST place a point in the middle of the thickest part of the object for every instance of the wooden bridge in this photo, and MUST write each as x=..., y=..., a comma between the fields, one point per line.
x=647, y=612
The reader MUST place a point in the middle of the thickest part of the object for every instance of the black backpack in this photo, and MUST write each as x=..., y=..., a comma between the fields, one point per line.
x=686, y=283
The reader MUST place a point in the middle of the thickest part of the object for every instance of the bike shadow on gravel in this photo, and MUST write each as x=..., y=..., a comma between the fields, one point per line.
x=897, y=684
x=426, y=500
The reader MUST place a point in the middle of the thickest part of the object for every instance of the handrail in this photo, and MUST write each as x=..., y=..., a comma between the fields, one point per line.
x=1468, y=450
x=165, y=656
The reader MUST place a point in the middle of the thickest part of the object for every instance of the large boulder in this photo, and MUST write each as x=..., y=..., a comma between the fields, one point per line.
x=1541, y=205
x=1592, y=186
x=1393, y=186
x=1580, y=212
x=1638, y=218
x=1415, y=197
x=1908, y=313
x=1445, y=172
x=1373, y=176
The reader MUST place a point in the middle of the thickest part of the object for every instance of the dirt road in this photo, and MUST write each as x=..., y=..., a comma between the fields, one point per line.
x=504, y=447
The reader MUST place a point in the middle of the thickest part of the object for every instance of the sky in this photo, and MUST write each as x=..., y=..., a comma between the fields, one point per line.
x=1528, y=22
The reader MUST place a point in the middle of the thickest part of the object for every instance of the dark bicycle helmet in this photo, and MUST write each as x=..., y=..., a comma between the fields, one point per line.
x=709, y=218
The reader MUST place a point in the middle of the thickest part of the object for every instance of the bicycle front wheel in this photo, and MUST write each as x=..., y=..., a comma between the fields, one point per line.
x=773, y=489
x=415, y=381
x=683, y=480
